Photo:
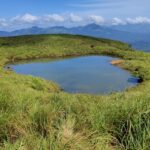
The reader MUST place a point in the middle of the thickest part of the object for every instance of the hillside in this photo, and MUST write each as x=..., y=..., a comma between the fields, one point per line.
x=123, y=33
x=90, y=30
x=33, y=108
x=53, y=45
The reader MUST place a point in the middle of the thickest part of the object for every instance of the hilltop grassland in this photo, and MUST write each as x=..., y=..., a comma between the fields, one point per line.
x=36, y=115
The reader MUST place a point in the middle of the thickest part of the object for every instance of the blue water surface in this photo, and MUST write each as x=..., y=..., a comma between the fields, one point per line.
x=86, y=74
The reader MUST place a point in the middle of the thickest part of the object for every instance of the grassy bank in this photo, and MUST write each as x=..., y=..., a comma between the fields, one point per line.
x=36, y=115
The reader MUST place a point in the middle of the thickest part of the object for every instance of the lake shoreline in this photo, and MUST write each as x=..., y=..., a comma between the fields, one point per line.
x=34, y=108
x=91, y=67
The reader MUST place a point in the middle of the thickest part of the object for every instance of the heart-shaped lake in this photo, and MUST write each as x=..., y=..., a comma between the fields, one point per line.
x=87, y=74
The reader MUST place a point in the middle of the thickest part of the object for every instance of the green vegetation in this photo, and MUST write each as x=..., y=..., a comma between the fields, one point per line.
x=36, y=115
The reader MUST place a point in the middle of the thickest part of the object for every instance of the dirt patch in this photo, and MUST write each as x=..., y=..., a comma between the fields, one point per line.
x=116, y=62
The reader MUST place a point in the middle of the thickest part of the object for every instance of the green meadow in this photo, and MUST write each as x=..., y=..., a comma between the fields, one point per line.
x=36, y=114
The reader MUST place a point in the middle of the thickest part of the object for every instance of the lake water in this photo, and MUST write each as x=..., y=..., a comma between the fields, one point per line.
x=87, y=74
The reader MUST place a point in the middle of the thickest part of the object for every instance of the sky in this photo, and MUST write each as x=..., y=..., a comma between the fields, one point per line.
x=15, y=14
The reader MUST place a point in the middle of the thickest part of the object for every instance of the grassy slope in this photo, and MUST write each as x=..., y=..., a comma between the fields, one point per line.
x=36, y=115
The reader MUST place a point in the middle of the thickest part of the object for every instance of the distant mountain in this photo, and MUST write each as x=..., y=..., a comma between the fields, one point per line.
x=133, y=28
x=33, y=30
x=36, y=30
x=142, y=45
x=121, y=33
x=3, y=33
x=106, y=32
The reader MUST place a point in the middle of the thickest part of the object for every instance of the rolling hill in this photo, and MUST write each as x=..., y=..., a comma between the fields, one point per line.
x=121, y=33
x=33, y=108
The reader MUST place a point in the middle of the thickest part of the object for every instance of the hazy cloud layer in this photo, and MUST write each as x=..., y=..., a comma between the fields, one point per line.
x=27, y=18
x=138, y=20
x=3, y=22
x=71, y=19
x=75, y=18
x=52, y=18
x=97, y=19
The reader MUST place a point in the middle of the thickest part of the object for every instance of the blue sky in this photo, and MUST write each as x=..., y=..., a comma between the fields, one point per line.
x=23, y=13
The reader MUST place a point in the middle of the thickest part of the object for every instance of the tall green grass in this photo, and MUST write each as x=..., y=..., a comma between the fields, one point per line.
x=36, y=115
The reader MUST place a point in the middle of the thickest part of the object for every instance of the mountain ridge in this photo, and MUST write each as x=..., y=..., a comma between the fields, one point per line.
x=93, y=30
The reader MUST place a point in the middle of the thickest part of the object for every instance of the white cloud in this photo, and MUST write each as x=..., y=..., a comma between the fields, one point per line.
x=138, y=20
x=3, y=22
x=75, y=18
x=27, y=18
x=118, y=21
x=54, y=18
x=70, y=19
x=97, y=19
